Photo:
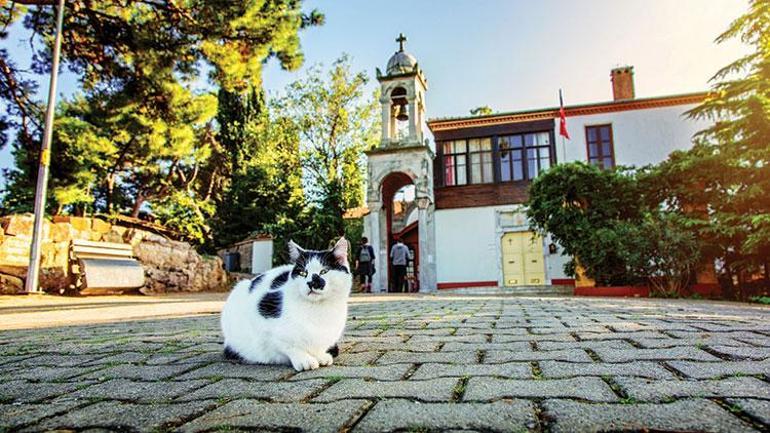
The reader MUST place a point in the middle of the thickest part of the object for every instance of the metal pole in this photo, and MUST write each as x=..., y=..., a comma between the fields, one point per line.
x=45, y=159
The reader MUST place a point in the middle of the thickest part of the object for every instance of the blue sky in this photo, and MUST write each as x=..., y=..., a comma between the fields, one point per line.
x=513, y=54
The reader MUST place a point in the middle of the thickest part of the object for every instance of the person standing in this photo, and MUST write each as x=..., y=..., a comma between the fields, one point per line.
x=399, y=254
x=365, y=264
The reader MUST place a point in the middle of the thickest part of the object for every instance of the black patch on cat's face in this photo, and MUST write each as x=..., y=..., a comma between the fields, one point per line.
x=255, y=282
x=279, y=281
x=232, y=355
x=326, y=258
x=270, y=305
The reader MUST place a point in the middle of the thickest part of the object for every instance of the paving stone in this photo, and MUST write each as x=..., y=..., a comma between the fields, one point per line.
x=620, y=335
x=405, y=415
x=475, y=338
x=14, y=416
x=588, y=388
x=593, y=345
x=689, y=353
x=572, y=355
x=409, y=347
x=251, y=414
x=404, y=333
x=472, y=347
x=560, y=369
x=243, y=371
x=138, y=392
x=397, y=357
x=384, y=372
x=424, y=390
x=505, y=338
x=54, y=360
x=125, y=416
x=684, y=415
x=662, y=343
x=27, y=392
x=274, y=391
x=663, y=390
x=140, y=372
x=757, y=353
x=707, y=370
x=361, y=358
x=45, y=374
x=510, y=370
x=757, y=409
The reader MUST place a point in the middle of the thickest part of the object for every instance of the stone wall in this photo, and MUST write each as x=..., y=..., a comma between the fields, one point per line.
x=169, y=265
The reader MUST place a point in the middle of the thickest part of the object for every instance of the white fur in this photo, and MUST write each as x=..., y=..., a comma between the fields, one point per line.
x=310, y=322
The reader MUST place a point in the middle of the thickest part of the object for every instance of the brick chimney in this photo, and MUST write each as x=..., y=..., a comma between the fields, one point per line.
x=622, y=83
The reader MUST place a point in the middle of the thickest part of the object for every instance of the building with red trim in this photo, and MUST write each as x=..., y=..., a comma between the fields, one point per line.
x=468, y=226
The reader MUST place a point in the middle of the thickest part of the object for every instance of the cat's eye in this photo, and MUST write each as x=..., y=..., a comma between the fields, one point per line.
x=323, y=271
x=303, y=273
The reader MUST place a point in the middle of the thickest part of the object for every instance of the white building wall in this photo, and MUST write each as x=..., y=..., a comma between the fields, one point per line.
x=466, y=244
x=640, y=137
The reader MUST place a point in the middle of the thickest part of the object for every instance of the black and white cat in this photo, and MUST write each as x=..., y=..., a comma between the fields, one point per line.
x=293, y=313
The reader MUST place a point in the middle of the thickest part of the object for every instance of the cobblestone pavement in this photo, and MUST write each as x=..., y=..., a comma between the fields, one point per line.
x=423, y=364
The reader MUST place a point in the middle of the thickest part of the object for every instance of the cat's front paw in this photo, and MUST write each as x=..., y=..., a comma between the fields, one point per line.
x=325, y=359
x=304, y=362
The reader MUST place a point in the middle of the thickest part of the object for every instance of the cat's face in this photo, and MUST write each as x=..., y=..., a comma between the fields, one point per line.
x=320, y=275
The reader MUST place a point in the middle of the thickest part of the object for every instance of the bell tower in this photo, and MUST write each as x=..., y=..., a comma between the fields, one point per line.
x=404, y=159
x=403, y=88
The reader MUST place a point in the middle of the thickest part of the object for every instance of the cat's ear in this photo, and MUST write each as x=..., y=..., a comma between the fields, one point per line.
x=340, y=251
x=295, y=251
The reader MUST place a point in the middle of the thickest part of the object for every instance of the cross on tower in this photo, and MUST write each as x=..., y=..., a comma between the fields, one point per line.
x=401, y=39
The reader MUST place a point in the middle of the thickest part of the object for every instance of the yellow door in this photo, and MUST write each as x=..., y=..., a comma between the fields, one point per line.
x=523, y=259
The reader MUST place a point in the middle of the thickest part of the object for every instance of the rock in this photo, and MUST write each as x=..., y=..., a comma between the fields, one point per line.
x=18, y=225
x=14, y=251
x=11, y=285
x=80, y=223
x=60, y=232
x=100, y=226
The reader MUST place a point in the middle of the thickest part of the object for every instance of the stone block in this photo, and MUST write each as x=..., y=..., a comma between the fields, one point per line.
x=664, y=390
x=60, y=232
x=587, y=388
x=405, y=415
x=80, y=223
x=572, y=355
x=274, y=391
x=14, y=251
x=137, y=391
x=14, y=416
x=397, y=357
x=130, y=416
x=424, y=390
x=100, y=226
x=759, y=409
x=689, y=353
x=560, y=369
x=385, y=372
x=10, y=285
x=18, y=225
x=707, y=370
x=521, y=370
x=261, y=416
x=566, y=416
x=241, y=371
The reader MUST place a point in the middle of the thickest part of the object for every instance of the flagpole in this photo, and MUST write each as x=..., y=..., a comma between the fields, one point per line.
x=33, y=271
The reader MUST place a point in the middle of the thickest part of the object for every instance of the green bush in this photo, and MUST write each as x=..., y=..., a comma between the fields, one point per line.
x=602, y=218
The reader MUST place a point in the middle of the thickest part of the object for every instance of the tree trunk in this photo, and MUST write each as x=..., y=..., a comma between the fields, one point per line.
x=137, y=206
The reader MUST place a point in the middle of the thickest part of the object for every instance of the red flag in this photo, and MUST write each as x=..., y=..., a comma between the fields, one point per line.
x=562, y=118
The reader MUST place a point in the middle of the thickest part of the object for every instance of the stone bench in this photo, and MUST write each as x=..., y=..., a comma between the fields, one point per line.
x=104, y=267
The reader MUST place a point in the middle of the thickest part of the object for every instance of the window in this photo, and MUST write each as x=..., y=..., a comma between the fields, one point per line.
x=600, y=147
x=455, y=163
x=516, y=157
x=527, y=153
x=538, y=153
x=481, y=160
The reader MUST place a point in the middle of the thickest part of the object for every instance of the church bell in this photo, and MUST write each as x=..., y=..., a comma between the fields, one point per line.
x=401, y=114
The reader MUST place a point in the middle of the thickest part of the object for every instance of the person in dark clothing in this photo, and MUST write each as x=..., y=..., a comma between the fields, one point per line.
x=399, y=255
x=365, y=265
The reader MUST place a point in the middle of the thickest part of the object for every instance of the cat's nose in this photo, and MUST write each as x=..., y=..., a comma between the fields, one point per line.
x=316, y=283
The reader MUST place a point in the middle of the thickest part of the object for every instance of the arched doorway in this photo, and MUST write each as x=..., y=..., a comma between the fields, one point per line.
x=401, y=213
